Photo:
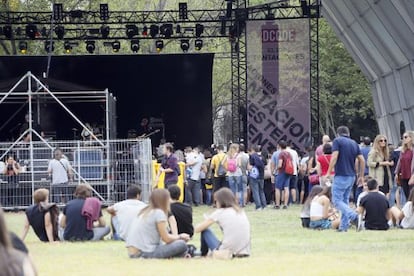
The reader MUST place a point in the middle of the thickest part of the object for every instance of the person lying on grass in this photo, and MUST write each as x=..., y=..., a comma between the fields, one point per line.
x=149, y=229
x=233, y=222
x=43, y=217
x=321, y=212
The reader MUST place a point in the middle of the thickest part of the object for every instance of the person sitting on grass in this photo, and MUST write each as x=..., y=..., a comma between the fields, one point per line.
x=75, y=222
x=122, y=213
x=305, y=213
x=183, y=213
x=43, y=217
x=232, y=221
x=321, y=213
x=148, y=231
x=405, y=217
x=376, y=208
x=12, y=261
x=365, y=190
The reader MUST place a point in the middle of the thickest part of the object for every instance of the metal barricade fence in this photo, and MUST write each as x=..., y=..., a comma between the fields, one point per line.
x=109, y=167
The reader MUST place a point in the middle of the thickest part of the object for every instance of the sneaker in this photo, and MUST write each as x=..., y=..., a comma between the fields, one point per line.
x=284, y=207
x=259, y=209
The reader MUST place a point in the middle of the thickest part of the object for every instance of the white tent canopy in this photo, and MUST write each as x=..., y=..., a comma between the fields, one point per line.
x=379, y=34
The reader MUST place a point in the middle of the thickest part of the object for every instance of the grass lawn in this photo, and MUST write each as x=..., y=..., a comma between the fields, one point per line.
x=279, y=247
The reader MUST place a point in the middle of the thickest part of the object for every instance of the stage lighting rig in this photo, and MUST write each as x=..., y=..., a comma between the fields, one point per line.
x=154, y=30
x=182, y=11
x=105, y=31
x=159, y=45
x=60, y=31
x=31, y=31
x=185, y=45
x=198, y=44
x=131, y=31
x=103, y=12
x=68, y=47
x=90, y=46
x=135, y=45
x=23, y=47
x=116, y=46
x=57, y=12
x=49, y=46
x=199, y=30
x=167, y=30
x=145, y=31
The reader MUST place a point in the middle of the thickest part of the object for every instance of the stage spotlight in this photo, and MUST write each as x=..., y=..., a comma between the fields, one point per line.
x=31, y=31
x=166, y=30
x=145, y=31
x=199, y=29
x=90, y=46
x=116, y=45
x=182, y=11
x=198, y=44
x=305, y=8
x=57, y=11
x=185, y=45
x=49, y=46
x=154, y=30
x=23, y=47
x=131, y=31
x=135, y=45
x=159, y=45
x=68, y=47
x=104, y=12
x=8, y=31
x=105, y=31
x=60, y=31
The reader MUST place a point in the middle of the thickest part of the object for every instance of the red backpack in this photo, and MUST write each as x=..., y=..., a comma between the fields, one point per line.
x=289, y=169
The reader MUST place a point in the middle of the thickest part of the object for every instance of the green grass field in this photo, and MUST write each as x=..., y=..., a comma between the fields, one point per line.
x=279, y=247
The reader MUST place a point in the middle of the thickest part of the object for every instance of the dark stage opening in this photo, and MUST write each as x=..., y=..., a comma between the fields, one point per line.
x=175, y=88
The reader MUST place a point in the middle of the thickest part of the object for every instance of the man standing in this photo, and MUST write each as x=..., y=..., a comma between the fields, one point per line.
x=61, y=171
x=319, y=150
x=283, y=178
x=194, y=162
x=244, y=163
x=274, y=164
x=123, y=212
x=257, y=178
x=293, y=184
x=365, y=149
x=169, y=166
x=217, y=165
x=345, y=152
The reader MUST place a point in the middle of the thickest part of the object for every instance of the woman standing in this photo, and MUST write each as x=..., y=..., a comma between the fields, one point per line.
x=323, y=164
x=232, y=221
x=234, y=172
x=405, y=166
x=379, y=164
x=148, y=236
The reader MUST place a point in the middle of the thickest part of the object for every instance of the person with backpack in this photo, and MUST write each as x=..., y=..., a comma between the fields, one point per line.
x=220, y=172
x=285, y=171
x=256, y=176
x=234, y=172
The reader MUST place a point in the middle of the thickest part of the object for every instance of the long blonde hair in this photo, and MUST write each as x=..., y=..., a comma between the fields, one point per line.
x=405, y=146
x=384, y=152
x=159, y=199
x=233, y=150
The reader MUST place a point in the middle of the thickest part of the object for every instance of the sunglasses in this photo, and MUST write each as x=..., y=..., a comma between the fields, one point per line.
x=382, y=140
x=406, y=136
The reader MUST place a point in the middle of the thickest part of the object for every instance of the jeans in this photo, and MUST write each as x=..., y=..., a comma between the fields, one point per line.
x=235, y=183
x=177, y=248
x=341, y=190
x=392, y=199
x=115, y=228
x=208, y=241
x=243, y=190
x=193, y=192
x=257, y=186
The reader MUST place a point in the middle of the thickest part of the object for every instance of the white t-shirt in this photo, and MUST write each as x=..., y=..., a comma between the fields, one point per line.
x=295, y=159
x=126, y=211
x=408, y=220
x=59, y=169
x=196, y=168
x=236, y=230
x=143, y=233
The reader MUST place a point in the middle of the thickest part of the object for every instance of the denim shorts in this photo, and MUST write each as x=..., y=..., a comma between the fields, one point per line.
x=282, y=181
x=320, y=224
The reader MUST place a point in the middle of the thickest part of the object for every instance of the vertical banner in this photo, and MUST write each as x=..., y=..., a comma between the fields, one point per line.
x=278, y=82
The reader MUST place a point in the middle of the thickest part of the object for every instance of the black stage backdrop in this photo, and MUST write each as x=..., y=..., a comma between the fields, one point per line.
x=177, y=88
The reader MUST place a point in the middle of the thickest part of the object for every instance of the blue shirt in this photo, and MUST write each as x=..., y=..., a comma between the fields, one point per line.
x=275, y=160
x=257, y=161
x=365, y=151
x=348, y=150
